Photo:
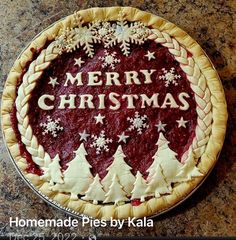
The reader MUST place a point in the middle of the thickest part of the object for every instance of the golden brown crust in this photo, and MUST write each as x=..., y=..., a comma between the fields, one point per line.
x=154, y=205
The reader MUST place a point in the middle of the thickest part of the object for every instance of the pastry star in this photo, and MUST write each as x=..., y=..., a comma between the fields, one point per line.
x=150, y=55
x=160, y=126
x=122, y=137
x=78, y=61
x=53, y=82
x=181, y=122
x=99, y=118
x=84, y=136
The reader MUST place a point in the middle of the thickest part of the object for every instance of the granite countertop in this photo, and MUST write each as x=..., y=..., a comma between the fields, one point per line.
x=211, y=210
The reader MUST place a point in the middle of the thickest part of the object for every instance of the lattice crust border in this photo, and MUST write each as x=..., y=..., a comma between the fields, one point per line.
x=204, y=82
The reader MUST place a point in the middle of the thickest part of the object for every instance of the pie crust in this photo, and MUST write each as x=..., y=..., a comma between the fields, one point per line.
x=205, y=82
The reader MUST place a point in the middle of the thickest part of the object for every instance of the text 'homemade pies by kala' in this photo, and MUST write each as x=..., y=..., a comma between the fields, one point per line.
x=114, y=112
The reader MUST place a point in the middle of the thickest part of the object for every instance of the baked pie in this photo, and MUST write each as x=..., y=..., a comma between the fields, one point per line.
x=114, y=112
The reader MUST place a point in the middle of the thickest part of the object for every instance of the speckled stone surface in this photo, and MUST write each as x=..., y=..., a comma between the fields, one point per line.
x=210, y=211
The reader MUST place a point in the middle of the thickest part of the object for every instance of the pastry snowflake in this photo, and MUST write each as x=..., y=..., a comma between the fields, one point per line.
x=64, y=41
x=138, y=122
x=106, y=30
x=169, y=77
x=109, y=59
x=85, y=35
x=100, y=142
x=124, y=34
x=51, y=126
x=79, y=36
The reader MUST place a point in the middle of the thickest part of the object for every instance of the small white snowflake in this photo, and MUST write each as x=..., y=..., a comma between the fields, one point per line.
x=51, y=126
x=138, y=122
x=169, y=77
x=100, y=142
x=109, y=59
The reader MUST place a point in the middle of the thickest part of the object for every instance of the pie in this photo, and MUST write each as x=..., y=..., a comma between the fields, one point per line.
x=114, y=112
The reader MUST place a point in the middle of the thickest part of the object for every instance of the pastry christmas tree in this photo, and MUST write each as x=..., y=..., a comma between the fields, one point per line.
x=121, y=169
x=140, y=187
x=77, y=176
x=116, y=193
x=166, y=158
x=189, y=169
x=157, y=184
x=95, y=192
x=53, y=172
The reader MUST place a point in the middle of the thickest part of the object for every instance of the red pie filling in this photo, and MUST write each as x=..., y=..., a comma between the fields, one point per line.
x=139, y=148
